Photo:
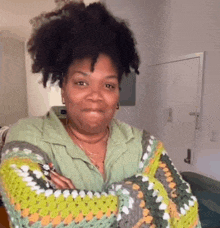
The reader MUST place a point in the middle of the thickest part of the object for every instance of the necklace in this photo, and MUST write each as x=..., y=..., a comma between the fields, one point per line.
x=102, y=138
x=96, y=158
x=89, y=152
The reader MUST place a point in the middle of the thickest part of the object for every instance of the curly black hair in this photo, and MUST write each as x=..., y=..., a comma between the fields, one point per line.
x=75, y=32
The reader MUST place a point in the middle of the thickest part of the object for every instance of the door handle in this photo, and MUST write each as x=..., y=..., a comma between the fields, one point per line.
x=188, y=159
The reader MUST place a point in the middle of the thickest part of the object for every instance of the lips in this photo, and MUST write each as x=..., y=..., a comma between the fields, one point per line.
x=93, y=110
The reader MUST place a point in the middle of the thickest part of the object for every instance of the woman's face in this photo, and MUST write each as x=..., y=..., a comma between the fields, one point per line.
x=91, y=97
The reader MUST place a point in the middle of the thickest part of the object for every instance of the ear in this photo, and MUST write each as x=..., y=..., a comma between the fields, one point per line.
x=63, y=86
x=62, y=95
x=63, y=90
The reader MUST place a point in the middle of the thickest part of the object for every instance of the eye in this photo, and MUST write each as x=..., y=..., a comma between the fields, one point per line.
x=81, y=83
x=109, y=86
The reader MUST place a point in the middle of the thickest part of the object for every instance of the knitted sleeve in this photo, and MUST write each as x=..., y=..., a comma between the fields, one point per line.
x=31, y=201
x=159, y=195
x=147, y=199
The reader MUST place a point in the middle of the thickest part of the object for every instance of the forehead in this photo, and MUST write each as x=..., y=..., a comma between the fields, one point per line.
x=104, y=66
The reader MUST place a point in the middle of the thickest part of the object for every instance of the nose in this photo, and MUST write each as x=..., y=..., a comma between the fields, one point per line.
x=95, y=94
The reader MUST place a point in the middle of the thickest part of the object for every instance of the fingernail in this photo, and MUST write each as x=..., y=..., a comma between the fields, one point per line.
x=51, y=165
x=53, y=171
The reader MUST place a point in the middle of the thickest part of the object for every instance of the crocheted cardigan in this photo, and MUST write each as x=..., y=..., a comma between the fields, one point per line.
x=156, y=196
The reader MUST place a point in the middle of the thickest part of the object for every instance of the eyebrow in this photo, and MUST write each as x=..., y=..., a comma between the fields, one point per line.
x=83, y=73
x=112, y=76
x=86, y=74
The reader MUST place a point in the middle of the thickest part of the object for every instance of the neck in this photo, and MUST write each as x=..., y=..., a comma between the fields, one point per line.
x=86, y=138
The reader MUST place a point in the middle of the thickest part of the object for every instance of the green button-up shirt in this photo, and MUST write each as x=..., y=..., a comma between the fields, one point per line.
x=124, y=150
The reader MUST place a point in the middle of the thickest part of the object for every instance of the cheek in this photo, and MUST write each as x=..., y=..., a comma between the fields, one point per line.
x=112, y=100
x=73, y=96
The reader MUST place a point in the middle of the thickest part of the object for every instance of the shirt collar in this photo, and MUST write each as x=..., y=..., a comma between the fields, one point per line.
x=53, y=129
x=55, y=133
x=120, y=132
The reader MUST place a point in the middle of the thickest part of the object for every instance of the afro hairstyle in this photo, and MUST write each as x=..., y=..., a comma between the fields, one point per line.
x=76, y=31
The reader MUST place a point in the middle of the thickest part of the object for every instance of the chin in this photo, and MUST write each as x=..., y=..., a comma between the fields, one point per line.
x=94, y=128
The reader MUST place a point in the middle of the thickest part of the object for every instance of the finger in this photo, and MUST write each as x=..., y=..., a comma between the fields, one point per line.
x=71, y=185
x=67, y=181
x=59, y=183
x=64, y=179
x=57, y=186
x=57, y=180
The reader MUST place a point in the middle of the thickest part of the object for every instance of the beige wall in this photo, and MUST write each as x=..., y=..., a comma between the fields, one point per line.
x=13, y=93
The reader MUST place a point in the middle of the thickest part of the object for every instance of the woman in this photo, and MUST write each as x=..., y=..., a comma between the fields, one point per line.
x=92, y=170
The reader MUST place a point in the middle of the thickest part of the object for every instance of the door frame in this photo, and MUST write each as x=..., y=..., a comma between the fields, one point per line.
x=200, y=91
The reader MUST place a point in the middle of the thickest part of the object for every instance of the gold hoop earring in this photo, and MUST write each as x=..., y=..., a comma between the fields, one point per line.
x=63, y=101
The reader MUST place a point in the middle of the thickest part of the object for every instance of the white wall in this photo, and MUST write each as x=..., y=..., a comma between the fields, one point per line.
x=165, y=29
x=208, y=143
x=168, y=29
x=194, y=26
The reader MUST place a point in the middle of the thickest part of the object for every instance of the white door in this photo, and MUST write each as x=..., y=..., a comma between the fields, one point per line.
x=175, y=93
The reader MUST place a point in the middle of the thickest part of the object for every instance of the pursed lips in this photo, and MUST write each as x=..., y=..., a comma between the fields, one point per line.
x=93, y=110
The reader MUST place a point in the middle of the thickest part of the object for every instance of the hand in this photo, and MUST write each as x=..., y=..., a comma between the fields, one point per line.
x=61, y=182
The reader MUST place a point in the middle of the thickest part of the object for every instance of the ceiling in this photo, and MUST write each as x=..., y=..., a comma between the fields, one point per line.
x=16, y=14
